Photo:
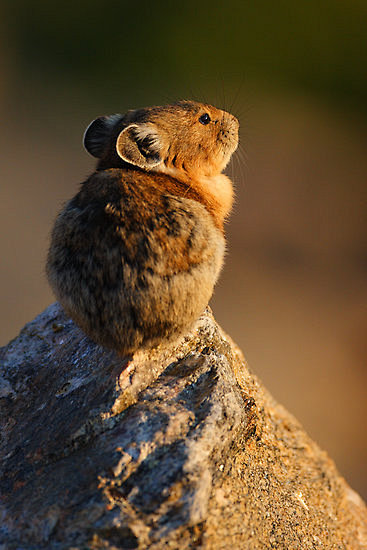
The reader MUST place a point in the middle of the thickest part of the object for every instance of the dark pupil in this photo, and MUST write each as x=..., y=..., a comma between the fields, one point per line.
x=204, y=119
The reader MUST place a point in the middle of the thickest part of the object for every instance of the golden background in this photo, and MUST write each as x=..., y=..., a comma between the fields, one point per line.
x=293, y=291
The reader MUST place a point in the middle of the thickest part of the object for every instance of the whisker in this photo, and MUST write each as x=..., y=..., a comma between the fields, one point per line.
x=239, y=89
x=187, y=190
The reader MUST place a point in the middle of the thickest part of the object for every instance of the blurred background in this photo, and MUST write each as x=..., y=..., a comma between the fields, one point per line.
x=293, y=292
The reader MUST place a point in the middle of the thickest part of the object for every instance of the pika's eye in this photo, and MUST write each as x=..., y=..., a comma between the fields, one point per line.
x=204, y=119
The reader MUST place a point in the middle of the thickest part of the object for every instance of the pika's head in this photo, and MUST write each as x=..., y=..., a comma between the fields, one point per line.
x=187, y=138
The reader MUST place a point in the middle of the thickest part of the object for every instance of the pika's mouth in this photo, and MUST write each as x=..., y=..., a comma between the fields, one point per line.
x=228, y=138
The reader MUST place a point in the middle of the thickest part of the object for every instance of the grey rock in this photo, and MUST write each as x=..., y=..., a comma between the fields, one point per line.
x=179, y=447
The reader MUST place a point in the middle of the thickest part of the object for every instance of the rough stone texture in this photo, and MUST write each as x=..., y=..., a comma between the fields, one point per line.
x=187, y=450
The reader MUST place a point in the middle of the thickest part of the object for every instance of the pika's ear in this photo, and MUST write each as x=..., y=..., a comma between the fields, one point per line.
x=97, y=134
x=139, y=144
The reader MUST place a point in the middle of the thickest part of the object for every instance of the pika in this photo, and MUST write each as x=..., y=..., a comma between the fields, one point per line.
x=135, y=255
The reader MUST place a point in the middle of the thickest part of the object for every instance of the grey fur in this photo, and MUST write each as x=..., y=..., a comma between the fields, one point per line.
x=116, y=274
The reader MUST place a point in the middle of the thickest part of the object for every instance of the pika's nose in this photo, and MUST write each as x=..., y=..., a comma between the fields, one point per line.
x=235, y=122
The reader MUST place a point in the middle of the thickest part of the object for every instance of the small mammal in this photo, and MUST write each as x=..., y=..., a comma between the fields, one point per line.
x=134, y=256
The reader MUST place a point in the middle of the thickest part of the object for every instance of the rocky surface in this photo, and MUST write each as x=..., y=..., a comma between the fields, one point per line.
x=183, y=449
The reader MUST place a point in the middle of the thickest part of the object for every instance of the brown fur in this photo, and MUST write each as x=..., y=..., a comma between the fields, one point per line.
x=134, y=256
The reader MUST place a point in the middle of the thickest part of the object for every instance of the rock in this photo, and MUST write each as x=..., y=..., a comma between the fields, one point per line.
x=187, y=450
